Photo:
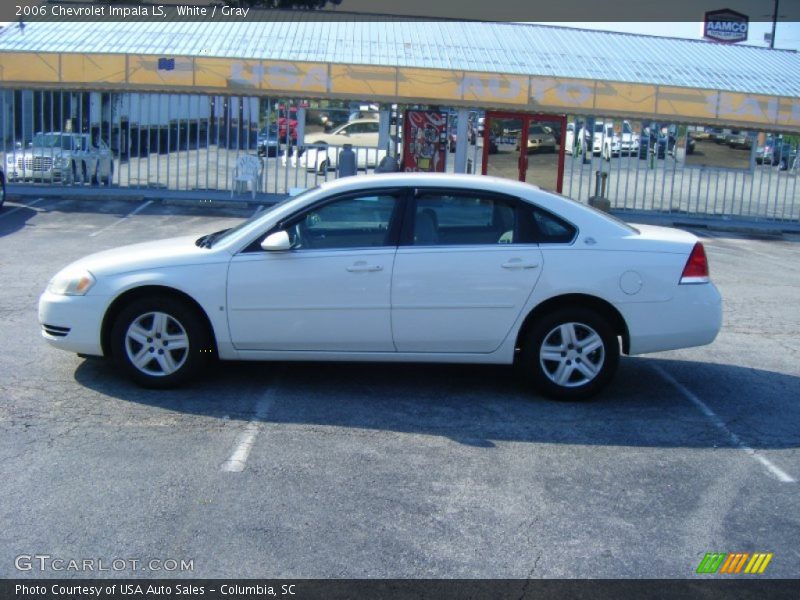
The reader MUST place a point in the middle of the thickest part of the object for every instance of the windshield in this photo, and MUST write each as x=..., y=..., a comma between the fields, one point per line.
x=52, y=140
x=626, y=127
x=207, y=241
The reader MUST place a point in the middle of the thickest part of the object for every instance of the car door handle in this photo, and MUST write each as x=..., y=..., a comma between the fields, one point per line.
x=516, y=263
x=364, y=267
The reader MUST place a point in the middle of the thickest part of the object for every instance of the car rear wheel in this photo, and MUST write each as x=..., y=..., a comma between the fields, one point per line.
x=160, y=342
x=570, y=354
x=323, y=167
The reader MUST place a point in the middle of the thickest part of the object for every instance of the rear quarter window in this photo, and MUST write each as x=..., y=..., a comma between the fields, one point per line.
x=547, y=228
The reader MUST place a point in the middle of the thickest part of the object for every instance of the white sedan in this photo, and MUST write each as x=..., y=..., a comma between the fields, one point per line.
x=395, y=267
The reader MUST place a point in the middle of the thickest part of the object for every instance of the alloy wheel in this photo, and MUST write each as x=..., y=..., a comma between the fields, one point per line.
x=572, y=354
x=157, y=344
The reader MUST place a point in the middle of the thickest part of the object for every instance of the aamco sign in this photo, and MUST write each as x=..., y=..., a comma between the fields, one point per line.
x=726, y=26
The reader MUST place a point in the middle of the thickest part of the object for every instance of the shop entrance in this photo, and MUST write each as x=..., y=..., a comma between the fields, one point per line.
x=526, y=147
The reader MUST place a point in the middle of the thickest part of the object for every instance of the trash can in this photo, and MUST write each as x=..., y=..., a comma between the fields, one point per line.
x=347, y=162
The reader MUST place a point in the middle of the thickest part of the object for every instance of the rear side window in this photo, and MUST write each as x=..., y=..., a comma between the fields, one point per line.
x=546, y=228
x=456, y=219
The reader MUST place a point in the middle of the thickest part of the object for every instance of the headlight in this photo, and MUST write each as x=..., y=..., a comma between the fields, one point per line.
x=75, y=283
x=10, y=159
x=60, y=161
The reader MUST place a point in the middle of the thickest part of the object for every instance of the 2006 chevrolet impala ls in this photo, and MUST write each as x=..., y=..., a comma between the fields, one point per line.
x=396, y=267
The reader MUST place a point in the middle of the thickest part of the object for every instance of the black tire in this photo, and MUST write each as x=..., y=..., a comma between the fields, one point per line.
x=323, y=168
x=84, y=175
x=2, y=190
x=583, y=325
x=96, y=175
x=181, y=321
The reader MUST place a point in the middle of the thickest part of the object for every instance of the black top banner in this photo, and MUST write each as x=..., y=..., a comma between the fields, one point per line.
x=480, y=10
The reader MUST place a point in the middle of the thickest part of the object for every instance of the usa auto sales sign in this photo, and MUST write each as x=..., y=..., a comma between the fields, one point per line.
x=727, y=26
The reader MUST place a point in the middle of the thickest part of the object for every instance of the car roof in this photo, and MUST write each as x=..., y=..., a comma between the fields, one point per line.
x=362, y=121
x=575, y=212
x=481, y=182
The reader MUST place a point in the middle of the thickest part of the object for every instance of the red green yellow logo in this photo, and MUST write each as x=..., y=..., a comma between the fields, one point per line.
x=733, y=563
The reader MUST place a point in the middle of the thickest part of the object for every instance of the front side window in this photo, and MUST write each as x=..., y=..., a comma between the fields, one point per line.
x=444, y=219
x=353, y=222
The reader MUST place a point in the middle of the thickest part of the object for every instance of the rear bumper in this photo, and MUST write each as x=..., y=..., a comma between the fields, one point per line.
x=693, y=317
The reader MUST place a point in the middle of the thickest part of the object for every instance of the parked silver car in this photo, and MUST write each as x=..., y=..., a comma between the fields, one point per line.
x=65, y=157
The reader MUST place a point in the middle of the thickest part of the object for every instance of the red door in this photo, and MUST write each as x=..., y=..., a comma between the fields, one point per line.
x=525, y=147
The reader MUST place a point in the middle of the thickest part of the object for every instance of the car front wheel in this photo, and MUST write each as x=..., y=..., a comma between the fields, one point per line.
x=160, y=342
x=570, y=354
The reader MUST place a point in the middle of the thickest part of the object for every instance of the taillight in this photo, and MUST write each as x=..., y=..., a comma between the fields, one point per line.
x=696, y=269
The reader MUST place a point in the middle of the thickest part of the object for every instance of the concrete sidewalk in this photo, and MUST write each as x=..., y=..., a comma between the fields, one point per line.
x=732, y=224
x=203, y=197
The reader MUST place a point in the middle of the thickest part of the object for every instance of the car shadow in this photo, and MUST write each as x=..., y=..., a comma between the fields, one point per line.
x=479, y=405
x=11, y=222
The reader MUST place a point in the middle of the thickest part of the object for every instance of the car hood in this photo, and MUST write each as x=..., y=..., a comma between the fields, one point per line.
x=43, y=152
x=136, y=257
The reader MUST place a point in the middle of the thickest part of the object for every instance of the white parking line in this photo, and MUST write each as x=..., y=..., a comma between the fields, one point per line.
x=120, y=220
x=18, y=208
x=779, y=473
x=244, y=443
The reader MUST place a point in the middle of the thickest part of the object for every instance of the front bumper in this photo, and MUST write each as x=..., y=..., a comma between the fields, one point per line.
x=73, y=323
x=17, y=174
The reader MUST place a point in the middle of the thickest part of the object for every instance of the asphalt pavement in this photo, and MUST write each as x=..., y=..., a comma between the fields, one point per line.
x=375, y=470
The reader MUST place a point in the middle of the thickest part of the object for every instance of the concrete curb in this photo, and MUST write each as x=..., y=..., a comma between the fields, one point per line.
x=193, y=199
x=720, y=224
x=216, y=199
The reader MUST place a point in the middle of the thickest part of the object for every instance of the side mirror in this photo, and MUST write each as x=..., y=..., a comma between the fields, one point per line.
x=277, y=242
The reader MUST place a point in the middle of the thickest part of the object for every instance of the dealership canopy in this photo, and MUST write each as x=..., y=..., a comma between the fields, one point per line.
x=462, y=63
